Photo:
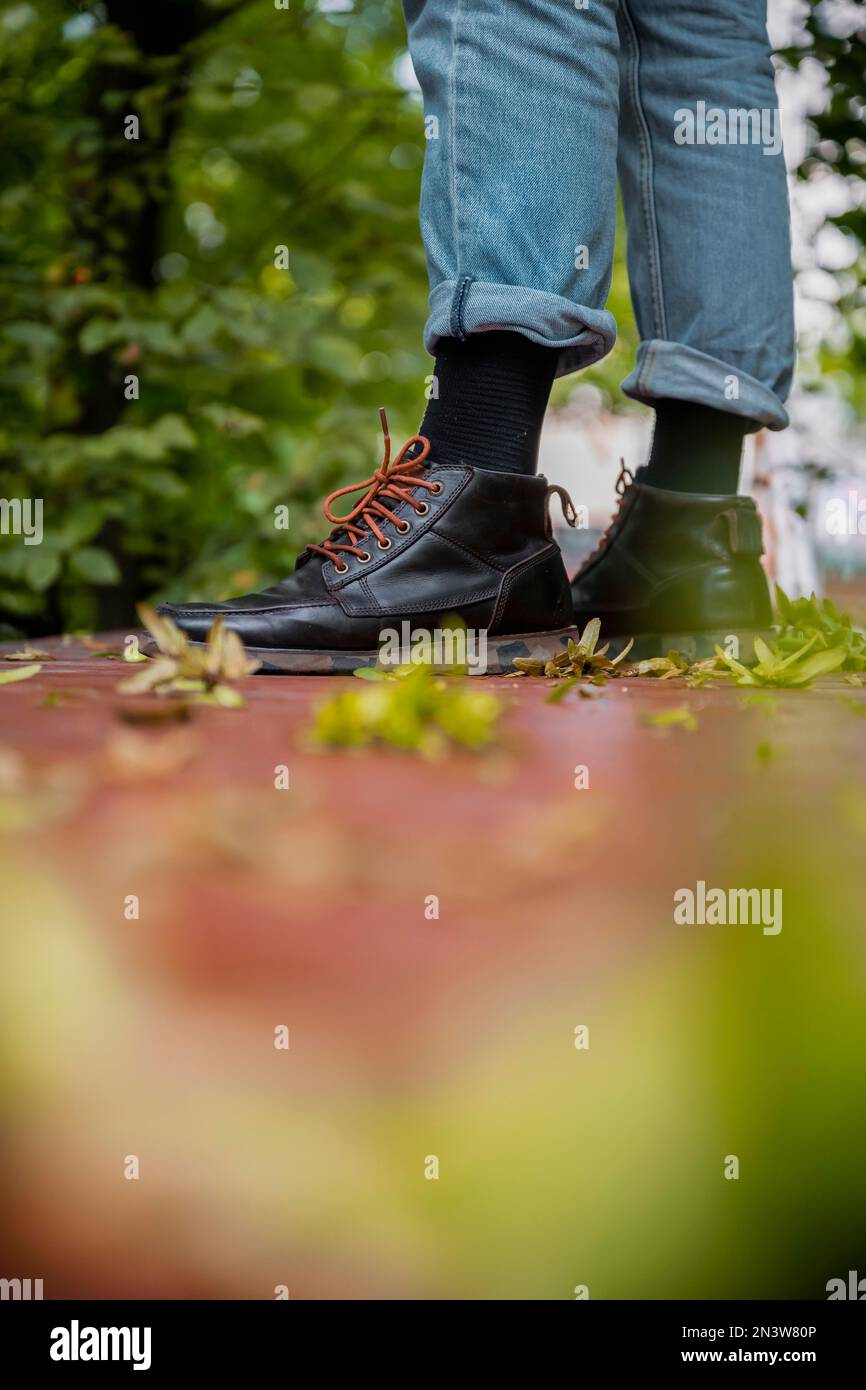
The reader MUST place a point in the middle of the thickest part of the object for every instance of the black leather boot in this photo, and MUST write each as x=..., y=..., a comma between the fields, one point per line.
x=425, y=544
x=676, y=570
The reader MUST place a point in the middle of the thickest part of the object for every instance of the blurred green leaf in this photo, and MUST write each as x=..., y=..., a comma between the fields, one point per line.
x=95, y=565
x=41, y=568
x=676, y=718
x=21, y=673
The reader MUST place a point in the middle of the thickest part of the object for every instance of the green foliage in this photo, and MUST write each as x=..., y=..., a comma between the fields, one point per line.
x=821, y=624
x=813, y=639
x=412, y=709
x=155, y=259
x=766, y=752
x=582, y=660
x=196, y=671
x=838, y=146
x=19, y=673
x=678, y=718
x=776, y=668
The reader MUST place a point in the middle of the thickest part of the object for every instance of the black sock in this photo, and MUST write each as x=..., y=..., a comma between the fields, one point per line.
x=696, y=448
x=491, y=395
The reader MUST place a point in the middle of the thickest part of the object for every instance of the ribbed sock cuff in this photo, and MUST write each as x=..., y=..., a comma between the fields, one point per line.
x=490, y=393
x=696, y=448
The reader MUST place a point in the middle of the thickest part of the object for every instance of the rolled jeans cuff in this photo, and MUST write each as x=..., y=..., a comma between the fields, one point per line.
x=461, y=307
x=666, y=370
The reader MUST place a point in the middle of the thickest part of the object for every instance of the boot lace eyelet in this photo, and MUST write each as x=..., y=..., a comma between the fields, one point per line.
x=393, y=481
x=436, y=488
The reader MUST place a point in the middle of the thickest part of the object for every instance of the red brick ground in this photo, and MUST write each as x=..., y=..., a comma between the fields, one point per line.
x=307, y=907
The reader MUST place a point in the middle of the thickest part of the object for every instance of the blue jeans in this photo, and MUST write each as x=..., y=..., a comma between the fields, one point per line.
x=532, y=108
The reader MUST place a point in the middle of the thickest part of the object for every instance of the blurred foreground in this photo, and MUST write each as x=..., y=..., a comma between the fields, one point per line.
x=414, y=1036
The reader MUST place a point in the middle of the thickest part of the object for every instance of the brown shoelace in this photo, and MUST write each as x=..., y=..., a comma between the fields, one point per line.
x=623, y=483
x=394, y=480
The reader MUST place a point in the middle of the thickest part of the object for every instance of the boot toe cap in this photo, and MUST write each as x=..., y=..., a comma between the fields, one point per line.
x=195, y=619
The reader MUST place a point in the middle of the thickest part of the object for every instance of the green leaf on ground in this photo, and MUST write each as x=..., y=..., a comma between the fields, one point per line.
x=677, y=718
x=582, y=660
x=819, y=621
x=560, y=691
x=420, y=712
x=766, y=752
x=27, y=653
x=21, y=673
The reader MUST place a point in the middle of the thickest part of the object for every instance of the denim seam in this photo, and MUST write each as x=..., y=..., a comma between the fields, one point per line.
x=647, y=369
x=456, y=321
x=646, y=162
x=452, y=132
x=655, y=354
x=451, y=313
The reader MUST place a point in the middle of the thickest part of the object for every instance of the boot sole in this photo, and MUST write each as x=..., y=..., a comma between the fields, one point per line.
x=694, y=646
x=501, y=652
